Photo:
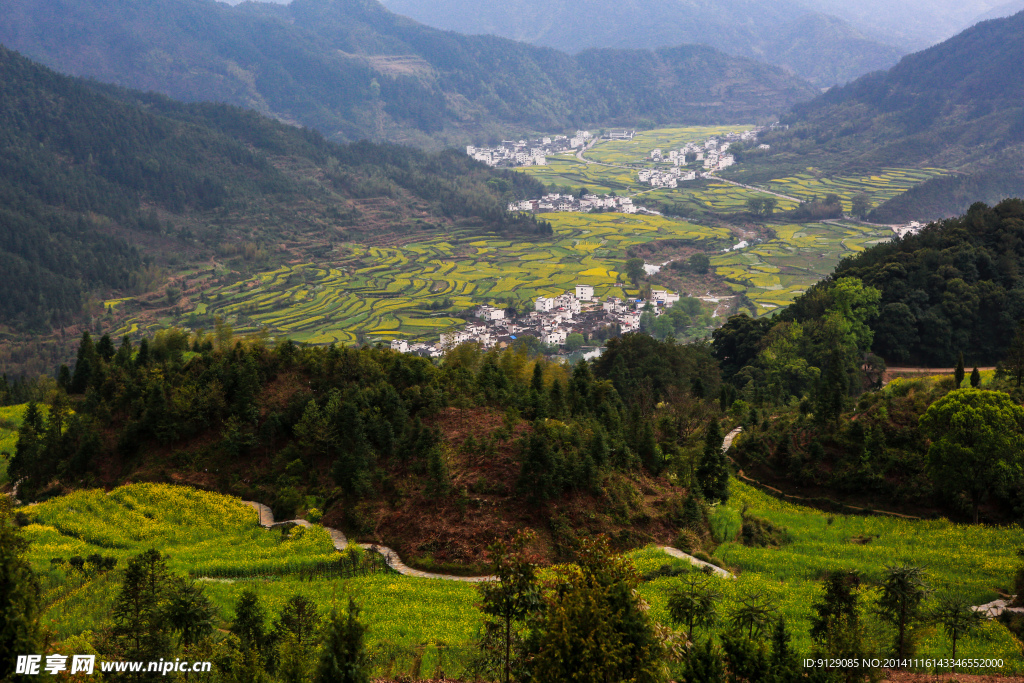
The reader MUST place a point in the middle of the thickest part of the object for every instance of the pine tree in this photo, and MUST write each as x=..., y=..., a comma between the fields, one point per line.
x=140, y=624
x=648, y=450
x=343, y=659
x=123, y=358
x=958, y=374
x=105, y=348
x=28, y=452
x=556, y=399
x=537, y=473
x=537, y=381
x=975, y=378
x=713, y=473
x=437, y=471
x=142, y=358
x=250, y=620
x=20, y=596
x=85, y=365
x=784, y=661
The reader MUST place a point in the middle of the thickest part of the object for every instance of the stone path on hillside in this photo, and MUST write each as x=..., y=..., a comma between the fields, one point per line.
x=675, y=552
x=266, y=520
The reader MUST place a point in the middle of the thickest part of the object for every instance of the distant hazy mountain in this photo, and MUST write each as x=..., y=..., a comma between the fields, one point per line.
x=1005, y=10
x=822, y=49
x=957, y=105
x=910, y=24
x=352, y=69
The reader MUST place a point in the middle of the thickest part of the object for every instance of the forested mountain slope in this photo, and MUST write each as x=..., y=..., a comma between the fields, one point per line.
x=956, y=287
x=958, y=105
x=821, y=48
x=102, y=190
x=352, y=69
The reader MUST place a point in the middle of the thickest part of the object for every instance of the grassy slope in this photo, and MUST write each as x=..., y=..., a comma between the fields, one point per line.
x=438, y=617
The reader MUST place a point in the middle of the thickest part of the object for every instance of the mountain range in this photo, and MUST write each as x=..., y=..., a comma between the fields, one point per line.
x=821, y=48
x=106, y=192
x=351, y=69
x=958, y=105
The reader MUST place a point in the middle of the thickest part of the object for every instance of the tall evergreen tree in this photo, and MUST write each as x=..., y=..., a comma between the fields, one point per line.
x=250, y=621
x=975, y=378
x=343, y=658
x=713, y=472
x=958, y=373
x=20, y=596
x=537, y=472
x=140, y=624
x=85, y=365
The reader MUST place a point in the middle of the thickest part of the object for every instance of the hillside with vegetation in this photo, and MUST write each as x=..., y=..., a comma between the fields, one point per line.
x=566, y=481
x=956, y=105
x=109, y=193
x=351, y=69
x=820, y=48
x=954, y=288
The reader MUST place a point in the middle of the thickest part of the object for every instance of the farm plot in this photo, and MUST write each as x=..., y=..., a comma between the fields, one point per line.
x=638, y=149
x=411, y=291
x=772, y=274
x=716, y=197
x=568, y=171
x=880, y=187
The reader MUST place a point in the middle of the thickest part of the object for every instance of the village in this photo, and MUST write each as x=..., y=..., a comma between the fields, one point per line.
x=584, y=204
x=551, y=322
x=511, y=153
x=712, y=155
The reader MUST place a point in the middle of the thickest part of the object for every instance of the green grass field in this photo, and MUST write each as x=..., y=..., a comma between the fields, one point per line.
x=774, y=273
x=205, y=533
x=381, y=293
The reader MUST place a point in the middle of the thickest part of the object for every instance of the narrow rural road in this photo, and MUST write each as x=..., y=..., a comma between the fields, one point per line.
x=753, y=187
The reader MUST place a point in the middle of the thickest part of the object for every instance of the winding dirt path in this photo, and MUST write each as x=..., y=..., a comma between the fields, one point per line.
x=266, y=520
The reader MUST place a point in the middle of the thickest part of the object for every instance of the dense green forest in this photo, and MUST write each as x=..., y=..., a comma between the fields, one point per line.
x=373, y=428
x=352, y=70
x=100, y=188
x=956, y=105
x=955, y=287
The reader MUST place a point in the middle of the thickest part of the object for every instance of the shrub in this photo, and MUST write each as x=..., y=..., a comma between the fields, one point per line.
x=725, y=524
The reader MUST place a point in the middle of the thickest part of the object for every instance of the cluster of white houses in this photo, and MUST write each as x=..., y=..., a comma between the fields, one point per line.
x=512, y=153
x=551, y=322
x=567, y=202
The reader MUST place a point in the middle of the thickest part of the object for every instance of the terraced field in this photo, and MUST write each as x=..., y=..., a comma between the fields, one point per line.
x=715, y=197
x=774, y=273
x=378, y=294
x=879, y=187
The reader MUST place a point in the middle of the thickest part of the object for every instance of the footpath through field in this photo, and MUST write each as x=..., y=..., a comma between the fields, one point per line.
x=266, y=520
x=754, y=188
